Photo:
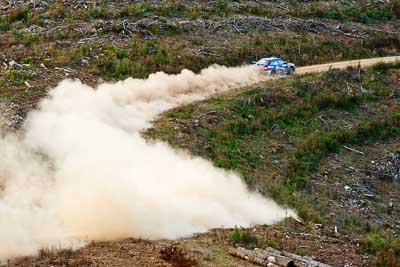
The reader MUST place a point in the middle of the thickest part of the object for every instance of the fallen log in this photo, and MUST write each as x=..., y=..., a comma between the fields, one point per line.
x=272, y=257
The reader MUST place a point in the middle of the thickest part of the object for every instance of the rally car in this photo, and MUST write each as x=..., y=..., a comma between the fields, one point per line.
x=275, y=65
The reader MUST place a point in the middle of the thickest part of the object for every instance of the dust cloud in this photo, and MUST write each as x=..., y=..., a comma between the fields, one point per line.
x=79, y=170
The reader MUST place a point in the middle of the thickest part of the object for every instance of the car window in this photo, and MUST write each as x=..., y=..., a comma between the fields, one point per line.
x=262, y=61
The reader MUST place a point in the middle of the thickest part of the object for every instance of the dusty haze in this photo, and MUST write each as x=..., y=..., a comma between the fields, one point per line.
x=79, y=169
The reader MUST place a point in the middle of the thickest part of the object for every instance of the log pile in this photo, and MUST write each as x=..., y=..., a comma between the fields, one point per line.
x=274, y=258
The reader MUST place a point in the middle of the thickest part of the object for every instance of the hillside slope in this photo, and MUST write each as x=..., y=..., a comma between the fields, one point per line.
x=325, y=144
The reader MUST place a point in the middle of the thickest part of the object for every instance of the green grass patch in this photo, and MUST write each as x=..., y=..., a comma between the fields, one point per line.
x=384, y=246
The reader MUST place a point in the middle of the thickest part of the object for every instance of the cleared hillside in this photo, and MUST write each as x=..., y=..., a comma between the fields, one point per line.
x=322, y=143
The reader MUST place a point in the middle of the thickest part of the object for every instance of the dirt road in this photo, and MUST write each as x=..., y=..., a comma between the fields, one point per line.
x=344, y=64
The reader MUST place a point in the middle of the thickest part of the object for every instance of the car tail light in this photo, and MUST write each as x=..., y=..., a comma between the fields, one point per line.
x=265, y=68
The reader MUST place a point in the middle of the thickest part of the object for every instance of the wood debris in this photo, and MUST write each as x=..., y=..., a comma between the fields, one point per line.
x=273, y=257
x=387, y=167
x=354, y=150
x=244, y=24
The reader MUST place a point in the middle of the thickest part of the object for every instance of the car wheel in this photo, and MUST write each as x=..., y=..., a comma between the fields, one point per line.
x=273, y=72
x=291, y=71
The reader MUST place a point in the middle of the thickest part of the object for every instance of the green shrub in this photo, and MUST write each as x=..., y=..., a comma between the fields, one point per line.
x=383, y=68
x=84, y=50
x=143, y=9
x=29, y=39
x=4, y=24
x=122, y=67
x=353, y=12
x=162, y=56
x=23, y=14
x=92, y=13
x=374, y=243
x=385, y=247
x=331, y=14
x=18, y=77
x=222, y=6
x=16, y=34
x=239, y=236
x=367, y=20
x=380, y=14
x=27, y=60
x=148, y=48
x=58, y=36
x=96, y=12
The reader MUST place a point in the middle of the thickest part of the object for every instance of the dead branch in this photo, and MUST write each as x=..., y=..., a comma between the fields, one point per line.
x=354, y=150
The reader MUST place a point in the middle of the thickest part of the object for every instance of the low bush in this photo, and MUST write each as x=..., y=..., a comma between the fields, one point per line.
x=239, y=236
x=22, y=14
x=97, y=12
x=385, y=247
x=29, y=39
x=84, y=50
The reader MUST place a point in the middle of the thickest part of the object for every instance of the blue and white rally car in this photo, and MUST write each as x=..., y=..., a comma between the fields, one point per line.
x=275, y=65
